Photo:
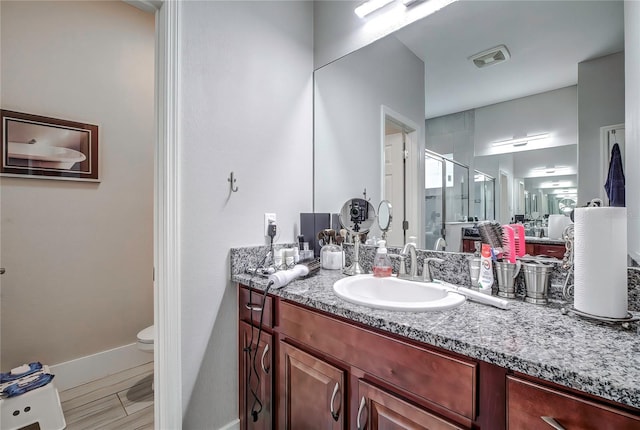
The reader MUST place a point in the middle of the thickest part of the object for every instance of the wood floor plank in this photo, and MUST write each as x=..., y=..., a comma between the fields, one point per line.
x=115, y=379
x=142, y=420
x=103, y=390
x=92, y=415
x=137, y=397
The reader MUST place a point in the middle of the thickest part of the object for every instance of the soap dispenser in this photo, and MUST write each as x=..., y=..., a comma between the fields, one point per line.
x=382, y=263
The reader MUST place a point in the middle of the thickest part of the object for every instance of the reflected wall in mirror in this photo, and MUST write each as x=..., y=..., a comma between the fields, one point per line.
x=565, y=79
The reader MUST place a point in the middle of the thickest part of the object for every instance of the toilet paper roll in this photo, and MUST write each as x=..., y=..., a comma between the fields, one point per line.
x=600, y=261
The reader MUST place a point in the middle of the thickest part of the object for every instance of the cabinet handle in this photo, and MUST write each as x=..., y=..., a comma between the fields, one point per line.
x=553, y=423
x=363, y=403
x=334, y=414
x=264, y=369
x=253, y=308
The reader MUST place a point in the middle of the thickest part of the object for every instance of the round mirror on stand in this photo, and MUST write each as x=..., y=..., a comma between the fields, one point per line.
x=356, y=216
x=385, y=216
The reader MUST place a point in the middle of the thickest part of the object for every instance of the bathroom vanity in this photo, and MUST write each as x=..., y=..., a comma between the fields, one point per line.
x=326, y=363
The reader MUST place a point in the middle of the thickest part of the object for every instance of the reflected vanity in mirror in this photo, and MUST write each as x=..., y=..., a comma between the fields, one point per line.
x=356, y=216
x=493, y=142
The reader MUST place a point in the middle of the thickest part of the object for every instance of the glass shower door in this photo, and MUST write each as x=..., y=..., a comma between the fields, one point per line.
x=433, y=205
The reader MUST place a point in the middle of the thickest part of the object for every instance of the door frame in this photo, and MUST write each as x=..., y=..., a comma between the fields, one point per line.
x=413, y=166
x=167, y=299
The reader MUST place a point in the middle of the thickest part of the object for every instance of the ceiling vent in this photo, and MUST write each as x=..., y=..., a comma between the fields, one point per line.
x=492, y=56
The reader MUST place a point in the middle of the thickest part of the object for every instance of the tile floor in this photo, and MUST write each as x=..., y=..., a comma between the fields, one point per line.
x=123, y=401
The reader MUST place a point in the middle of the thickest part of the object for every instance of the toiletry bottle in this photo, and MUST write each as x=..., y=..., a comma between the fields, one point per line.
x=331, y=254
x=382, y=263
x=486, y=270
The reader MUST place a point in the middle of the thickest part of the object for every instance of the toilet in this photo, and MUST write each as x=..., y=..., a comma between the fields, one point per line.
x=146, y=338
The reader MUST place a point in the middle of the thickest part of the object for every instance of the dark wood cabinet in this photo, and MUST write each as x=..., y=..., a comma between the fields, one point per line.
x=380, y=410
x=532, y=406
x=335, y=374
x=311, y=392
x=256, y=378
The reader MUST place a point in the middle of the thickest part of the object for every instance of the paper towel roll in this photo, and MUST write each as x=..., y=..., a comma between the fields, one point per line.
x=600, y=261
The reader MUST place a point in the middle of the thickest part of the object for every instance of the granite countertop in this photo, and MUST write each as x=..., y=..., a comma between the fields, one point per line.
x=600, y=359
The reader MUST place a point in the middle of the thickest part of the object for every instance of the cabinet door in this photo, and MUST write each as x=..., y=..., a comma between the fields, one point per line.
x=532, y=406
x=256, y=379
x=380, y=410
x=311, y=392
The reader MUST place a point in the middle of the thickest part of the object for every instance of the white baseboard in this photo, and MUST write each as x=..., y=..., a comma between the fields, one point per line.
x=86, y=369
x=233, y=425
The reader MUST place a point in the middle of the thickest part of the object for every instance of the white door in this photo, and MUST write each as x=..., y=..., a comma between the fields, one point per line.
x=394, y=184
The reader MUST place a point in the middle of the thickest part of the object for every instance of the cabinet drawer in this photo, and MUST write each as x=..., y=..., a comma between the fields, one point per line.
x=556, y=251
x=528, y=402
x=439, y=379
x=250, y=305
x=382, y=410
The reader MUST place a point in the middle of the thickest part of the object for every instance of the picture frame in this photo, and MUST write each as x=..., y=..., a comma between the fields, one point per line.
x=35, y=146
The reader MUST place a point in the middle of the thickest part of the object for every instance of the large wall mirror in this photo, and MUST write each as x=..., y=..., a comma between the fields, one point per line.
x=522, y=130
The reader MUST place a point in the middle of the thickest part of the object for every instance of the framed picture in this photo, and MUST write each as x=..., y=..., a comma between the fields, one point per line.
x=40, y=147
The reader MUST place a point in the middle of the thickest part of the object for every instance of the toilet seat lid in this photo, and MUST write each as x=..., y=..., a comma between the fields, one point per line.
x=146, y=335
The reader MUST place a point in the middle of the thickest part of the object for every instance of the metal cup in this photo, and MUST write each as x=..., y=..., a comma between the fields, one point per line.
x=536, y=279
x=474, y=271
x=507, y=273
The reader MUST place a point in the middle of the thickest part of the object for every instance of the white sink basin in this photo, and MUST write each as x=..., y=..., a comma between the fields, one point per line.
x=46, y=156
x=396, y=294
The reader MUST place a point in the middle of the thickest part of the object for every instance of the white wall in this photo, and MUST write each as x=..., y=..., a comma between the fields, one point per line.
x=246, y=103
x=79, y=255
x=348, y=120
x=549, y=112
x=632, y=123
x=601, y=102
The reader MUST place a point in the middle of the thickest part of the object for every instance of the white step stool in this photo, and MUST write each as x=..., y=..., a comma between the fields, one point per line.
x=41, y=406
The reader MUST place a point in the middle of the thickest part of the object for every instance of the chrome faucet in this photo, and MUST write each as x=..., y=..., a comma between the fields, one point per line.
x=410, y=249
x=440, y=244
x=426, y=268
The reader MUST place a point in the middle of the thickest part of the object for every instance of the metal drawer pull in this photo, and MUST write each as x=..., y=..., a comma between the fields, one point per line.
x=553, y=423
x=363, y=403
x=334, y=414
x=264, y=369
x=2, y=270
x=253, y=308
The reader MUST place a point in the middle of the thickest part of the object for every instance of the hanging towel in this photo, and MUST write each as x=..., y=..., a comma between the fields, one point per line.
x=615, y=179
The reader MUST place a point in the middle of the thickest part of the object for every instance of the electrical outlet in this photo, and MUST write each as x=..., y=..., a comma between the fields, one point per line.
x=268, y=218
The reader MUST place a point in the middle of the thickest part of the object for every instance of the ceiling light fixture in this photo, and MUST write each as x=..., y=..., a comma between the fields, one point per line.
x=521, y=141
x=492, y=56
x=370, y=6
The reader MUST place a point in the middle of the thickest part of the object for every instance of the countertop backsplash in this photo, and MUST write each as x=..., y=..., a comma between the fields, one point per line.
x=455, y=268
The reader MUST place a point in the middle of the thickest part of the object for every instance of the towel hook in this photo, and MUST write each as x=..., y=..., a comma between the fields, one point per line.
x=232, y=181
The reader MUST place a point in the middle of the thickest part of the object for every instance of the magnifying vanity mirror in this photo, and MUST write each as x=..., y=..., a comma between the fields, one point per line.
x=357, y=216
x=385, y=216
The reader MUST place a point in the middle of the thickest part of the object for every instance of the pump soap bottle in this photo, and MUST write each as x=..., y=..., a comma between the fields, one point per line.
x=382, y=263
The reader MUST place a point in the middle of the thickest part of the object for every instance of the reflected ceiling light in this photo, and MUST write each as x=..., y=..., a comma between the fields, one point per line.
x=521, y=141
x=551, y=170
x=369, y=6
x=409, y=3
x=492, y=56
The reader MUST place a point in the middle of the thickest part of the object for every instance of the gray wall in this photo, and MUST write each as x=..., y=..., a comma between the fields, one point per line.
x=246, y=105
x=349, y=94
x=632, y=123
x=79, y=255
x=600, y=103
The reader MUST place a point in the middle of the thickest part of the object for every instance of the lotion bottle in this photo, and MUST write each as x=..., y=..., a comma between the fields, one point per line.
x=382, y=263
